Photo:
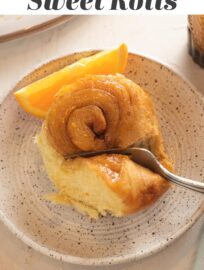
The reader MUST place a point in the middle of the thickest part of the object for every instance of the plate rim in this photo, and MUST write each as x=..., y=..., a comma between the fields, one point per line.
x=114, y=260
x=35, y=28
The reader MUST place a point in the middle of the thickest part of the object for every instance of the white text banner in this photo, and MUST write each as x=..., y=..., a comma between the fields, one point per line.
x=109, y=7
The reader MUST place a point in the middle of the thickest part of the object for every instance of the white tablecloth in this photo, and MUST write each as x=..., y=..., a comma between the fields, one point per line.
x=160, y=37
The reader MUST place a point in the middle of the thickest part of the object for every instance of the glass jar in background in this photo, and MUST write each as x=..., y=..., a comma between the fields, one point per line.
x=196, y=38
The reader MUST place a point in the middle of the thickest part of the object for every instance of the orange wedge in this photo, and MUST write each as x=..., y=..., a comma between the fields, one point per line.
x=37, y=97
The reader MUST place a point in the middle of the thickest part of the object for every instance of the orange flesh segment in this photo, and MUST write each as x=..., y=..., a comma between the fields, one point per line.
x=37, y=97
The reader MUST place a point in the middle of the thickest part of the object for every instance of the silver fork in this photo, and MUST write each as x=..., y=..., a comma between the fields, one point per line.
x=147, y=159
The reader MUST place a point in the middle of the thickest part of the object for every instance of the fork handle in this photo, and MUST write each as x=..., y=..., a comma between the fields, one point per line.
x=185, y=182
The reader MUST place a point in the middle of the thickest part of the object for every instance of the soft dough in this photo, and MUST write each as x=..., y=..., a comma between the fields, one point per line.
x=99, y=112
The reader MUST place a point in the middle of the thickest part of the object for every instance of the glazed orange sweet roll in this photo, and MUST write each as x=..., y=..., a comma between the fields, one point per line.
x=100, y=112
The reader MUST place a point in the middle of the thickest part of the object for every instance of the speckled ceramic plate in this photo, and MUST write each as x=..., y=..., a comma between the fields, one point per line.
x=61, y=232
